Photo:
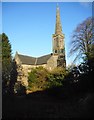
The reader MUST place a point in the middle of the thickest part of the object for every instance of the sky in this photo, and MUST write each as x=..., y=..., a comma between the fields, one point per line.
x=30, y=25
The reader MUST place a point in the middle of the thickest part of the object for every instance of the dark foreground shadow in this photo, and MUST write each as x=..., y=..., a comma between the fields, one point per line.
x=48, y=104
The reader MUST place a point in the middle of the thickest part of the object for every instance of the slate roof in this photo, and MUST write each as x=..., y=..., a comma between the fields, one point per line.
x=27, y=59
x=34, y=61
x=43, y=59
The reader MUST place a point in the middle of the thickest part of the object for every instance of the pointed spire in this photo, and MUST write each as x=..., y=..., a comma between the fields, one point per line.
x=58, y=27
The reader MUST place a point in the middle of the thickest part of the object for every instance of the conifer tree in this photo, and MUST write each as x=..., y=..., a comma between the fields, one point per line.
x=6, y=62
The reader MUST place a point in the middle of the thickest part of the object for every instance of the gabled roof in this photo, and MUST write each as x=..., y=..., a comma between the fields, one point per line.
x=32, y=60
x=27, y=59
x=43, y=59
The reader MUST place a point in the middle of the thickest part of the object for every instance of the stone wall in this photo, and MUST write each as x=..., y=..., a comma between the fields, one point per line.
x=23, y=73
x=24, y=69
x=52, y=62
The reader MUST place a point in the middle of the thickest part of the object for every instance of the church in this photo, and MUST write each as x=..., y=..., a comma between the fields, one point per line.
x=49, y=61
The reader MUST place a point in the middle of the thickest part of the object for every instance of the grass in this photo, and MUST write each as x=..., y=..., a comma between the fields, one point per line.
x=45, y=104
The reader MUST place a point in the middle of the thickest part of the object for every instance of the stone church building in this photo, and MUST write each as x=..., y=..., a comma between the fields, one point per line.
x=49, y=61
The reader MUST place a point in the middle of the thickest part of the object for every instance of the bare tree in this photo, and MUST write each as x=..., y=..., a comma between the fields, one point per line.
x=82, y=43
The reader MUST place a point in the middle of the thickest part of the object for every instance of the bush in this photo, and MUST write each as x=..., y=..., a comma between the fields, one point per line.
x=19, y=89
x=37, y=79
x=55, y=78
x=41, y=79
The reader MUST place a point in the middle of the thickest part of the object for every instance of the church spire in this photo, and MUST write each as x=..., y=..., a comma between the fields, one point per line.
x=58, y=41
x=58, y=27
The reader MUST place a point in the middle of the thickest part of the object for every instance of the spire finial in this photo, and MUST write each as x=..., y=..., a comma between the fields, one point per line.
x=57, y=6
x=58, y=29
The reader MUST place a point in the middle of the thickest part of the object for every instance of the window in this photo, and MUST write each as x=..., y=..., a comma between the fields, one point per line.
x=61, y=56
x=62, y=50
x=55, y=51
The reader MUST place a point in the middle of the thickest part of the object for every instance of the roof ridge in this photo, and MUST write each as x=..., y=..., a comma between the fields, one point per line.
x=26, y=56
x=34, y=61
x=44, y=55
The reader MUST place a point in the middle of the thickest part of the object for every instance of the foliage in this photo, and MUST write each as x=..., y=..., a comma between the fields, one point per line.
x=55, y=78
x=13, y=78
x=0, y=55
x=6, y=61
x=0, y=48
x=79, y=80
x=83, y=40
x=90, y=62
x=82, y=46
x=19, y=89
x=37, y=79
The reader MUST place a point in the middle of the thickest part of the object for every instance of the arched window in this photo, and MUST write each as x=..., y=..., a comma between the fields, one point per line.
x=55, y=51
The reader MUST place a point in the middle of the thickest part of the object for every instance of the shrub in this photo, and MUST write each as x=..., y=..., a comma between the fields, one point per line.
x=37, y=79
x=55, y=78
x=19, y=89
x=40, y=79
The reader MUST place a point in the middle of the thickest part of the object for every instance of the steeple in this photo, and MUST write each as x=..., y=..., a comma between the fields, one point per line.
x=58, y=27
x=58, y=37
x=58, y=41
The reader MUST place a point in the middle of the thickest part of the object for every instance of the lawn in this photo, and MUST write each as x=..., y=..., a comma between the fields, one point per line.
x=44, y=104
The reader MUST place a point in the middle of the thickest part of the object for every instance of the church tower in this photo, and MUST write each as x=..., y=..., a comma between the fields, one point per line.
x=58, y=41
